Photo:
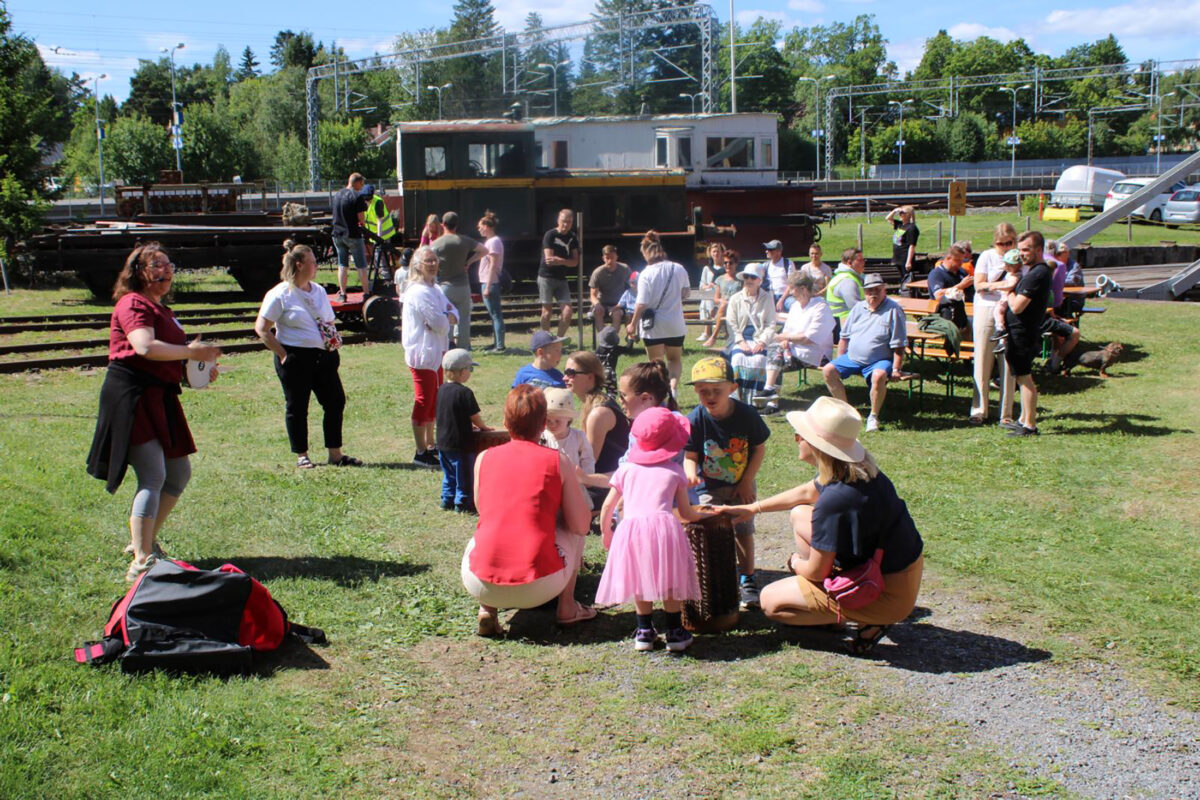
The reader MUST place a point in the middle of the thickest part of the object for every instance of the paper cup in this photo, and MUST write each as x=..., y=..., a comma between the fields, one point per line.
x=197, y=373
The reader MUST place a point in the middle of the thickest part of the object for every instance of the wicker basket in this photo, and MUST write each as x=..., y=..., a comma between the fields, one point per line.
x=713, y=547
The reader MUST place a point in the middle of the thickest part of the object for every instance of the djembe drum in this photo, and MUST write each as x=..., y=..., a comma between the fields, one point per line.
x=712, y=542
x=485, y=440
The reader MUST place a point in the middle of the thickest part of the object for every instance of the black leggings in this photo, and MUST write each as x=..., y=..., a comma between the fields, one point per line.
x=308, y=371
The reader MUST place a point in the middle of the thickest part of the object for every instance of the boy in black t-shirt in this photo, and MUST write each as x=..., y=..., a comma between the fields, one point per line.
x=457, y=417
x=723, y=456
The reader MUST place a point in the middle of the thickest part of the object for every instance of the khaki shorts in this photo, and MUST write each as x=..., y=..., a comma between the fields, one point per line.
x=899, y=598
x=526, y=595
x=552, y=290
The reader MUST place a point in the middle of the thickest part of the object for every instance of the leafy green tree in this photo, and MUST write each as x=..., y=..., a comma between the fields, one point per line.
x=855, y=51
x=967, y=137
x=25, y=103
x=136, y=150
x=293, y=49
x=344, y=150
x=248, y=67
x=920, y=143
x=477, y=79
x=938, y=51
x=214, y=149
x=771, y=91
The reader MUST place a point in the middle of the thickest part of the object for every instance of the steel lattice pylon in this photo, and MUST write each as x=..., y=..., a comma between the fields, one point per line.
x=509, y=46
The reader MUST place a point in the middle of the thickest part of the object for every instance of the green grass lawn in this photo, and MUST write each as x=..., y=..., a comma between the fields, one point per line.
x=1083, y=538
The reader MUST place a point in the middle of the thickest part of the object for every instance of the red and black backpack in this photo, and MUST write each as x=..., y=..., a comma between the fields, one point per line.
x=180, y=618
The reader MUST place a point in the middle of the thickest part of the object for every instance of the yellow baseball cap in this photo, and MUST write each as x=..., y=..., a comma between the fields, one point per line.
x=713, y=369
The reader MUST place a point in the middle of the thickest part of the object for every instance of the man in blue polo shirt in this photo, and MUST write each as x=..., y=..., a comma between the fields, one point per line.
x=872, y=344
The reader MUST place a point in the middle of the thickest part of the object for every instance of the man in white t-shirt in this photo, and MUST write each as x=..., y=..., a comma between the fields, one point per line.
x=778, y=270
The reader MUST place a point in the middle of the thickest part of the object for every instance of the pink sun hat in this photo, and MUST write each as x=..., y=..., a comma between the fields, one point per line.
x=658, y=434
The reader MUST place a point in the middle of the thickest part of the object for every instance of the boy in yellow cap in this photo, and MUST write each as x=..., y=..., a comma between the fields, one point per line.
x=723, y=456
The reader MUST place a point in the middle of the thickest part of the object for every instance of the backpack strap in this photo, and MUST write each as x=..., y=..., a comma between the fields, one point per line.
x=101, y=652
x=306, y=634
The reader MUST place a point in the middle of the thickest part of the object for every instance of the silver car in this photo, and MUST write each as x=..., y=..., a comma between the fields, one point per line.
x=1184, y=206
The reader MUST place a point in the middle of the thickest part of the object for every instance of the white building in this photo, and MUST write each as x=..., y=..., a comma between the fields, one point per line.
x=714, y=149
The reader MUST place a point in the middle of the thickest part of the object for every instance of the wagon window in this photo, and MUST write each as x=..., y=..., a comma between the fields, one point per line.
x=435, y=162
x=768, y=153
x=493, y=159
x=660, y=151
x=730, y=152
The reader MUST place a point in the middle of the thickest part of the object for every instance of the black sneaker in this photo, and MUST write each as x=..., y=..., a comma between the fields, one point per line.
x=1023, y=431
x=645, y=639
x=679, y=639
x=427, y=459
x=466, y=508
x=1001, y=346
x=447, y=505
x=748, y=592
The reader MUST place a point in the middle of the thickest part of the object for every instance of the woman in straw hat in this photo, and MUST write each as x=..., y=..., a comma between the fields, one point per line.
x=840, y=519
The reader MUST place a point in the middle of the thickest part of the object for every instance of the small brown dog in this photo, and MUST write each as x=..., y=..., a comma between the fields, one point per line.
x=1101, y=359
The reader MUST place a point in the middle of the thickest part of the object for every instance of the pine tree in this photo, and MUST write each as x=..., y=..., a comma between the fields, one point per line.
x=248, y=68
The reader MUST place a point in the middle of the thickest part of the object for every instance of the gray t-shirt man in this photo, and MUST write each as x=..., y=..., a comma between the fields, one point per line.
x=453, y=252
x=874, y=336
x=610, y=283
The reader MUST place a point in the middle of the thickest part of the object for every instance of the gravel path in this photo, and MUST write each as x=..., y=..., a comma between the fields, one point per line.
x=1083, y=724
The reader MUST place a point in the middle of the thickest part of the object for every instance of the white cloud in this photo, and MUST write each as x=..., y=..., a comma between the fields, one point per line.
x=364, y=47
x=511, y=13
x=1142, y=18
x=747, y=17
x=808, y=6
x=967, y=31
x=906, y=54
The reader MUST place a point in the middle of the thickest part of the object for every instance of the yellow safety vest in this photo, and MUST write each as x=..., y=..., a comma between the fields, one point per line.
x=837, y=306
x=378, y=211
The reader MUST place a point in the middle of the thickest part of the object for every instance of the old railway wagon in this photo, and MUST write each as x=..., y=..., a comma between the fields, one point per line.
x=472, y=166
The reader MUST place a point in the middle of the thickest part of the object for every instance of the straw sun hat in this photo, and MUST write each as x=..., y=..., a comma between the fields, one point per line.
x=831, y=426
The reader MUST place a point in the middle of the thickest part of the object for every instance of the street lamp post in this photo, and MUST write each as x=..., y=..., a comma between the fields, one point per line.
x=1158, y=137
x=439, y=90
x=900, y=141
x=176, y=127
x=99, y=136
x=554, y=69
x=1013, y=140
x=693, y=97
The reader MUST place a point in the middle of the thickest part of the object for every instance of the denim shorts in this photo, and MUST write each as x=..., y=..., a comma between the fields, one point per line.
x=847, y=366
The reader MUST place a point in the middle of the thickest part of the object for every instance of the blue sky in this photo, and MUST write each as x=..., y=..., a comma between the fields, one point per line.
x=109, y=37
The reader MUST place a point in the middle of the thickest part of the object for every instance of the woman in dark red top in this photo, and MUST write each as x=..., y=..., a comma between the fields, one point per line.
x=141, y=422
x=524, y=552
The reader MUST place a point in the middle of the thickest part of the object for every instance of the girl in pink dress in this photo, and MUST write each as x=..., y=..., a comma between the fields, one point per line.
x=649, y=556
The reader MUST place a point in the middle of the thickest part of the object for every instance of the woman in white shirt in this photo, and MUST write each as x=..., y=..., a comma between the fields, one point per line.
x=662, y=287
x=306, y=361
x=489, y=278
x=425, y=333
x=989, y=272
x=806, y=338
x=751, y=316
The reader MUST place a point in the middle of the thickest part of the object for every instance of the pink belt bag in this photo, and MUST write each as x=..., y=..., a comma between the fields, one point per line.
x=859, y=586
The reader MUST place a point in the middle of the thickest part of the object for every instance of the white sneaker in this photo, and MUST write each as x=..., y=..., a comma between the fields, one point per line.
x=872, y=423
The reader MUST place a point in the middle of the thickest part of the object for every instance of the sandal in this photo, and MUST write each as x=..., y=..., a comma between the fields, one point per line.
x=867, y=637
x=582, y=614
x=788, y=566
x=346, y=461
x=304, y=462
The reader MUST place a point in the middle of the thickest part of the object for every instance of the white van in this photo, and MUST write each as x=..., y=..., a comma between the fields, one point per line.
x=1082, y=185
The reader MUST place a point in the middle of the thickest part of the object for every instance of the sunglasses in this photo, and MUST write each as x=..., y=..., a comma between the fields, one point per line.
x=1005, y=243
x=570, y=372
